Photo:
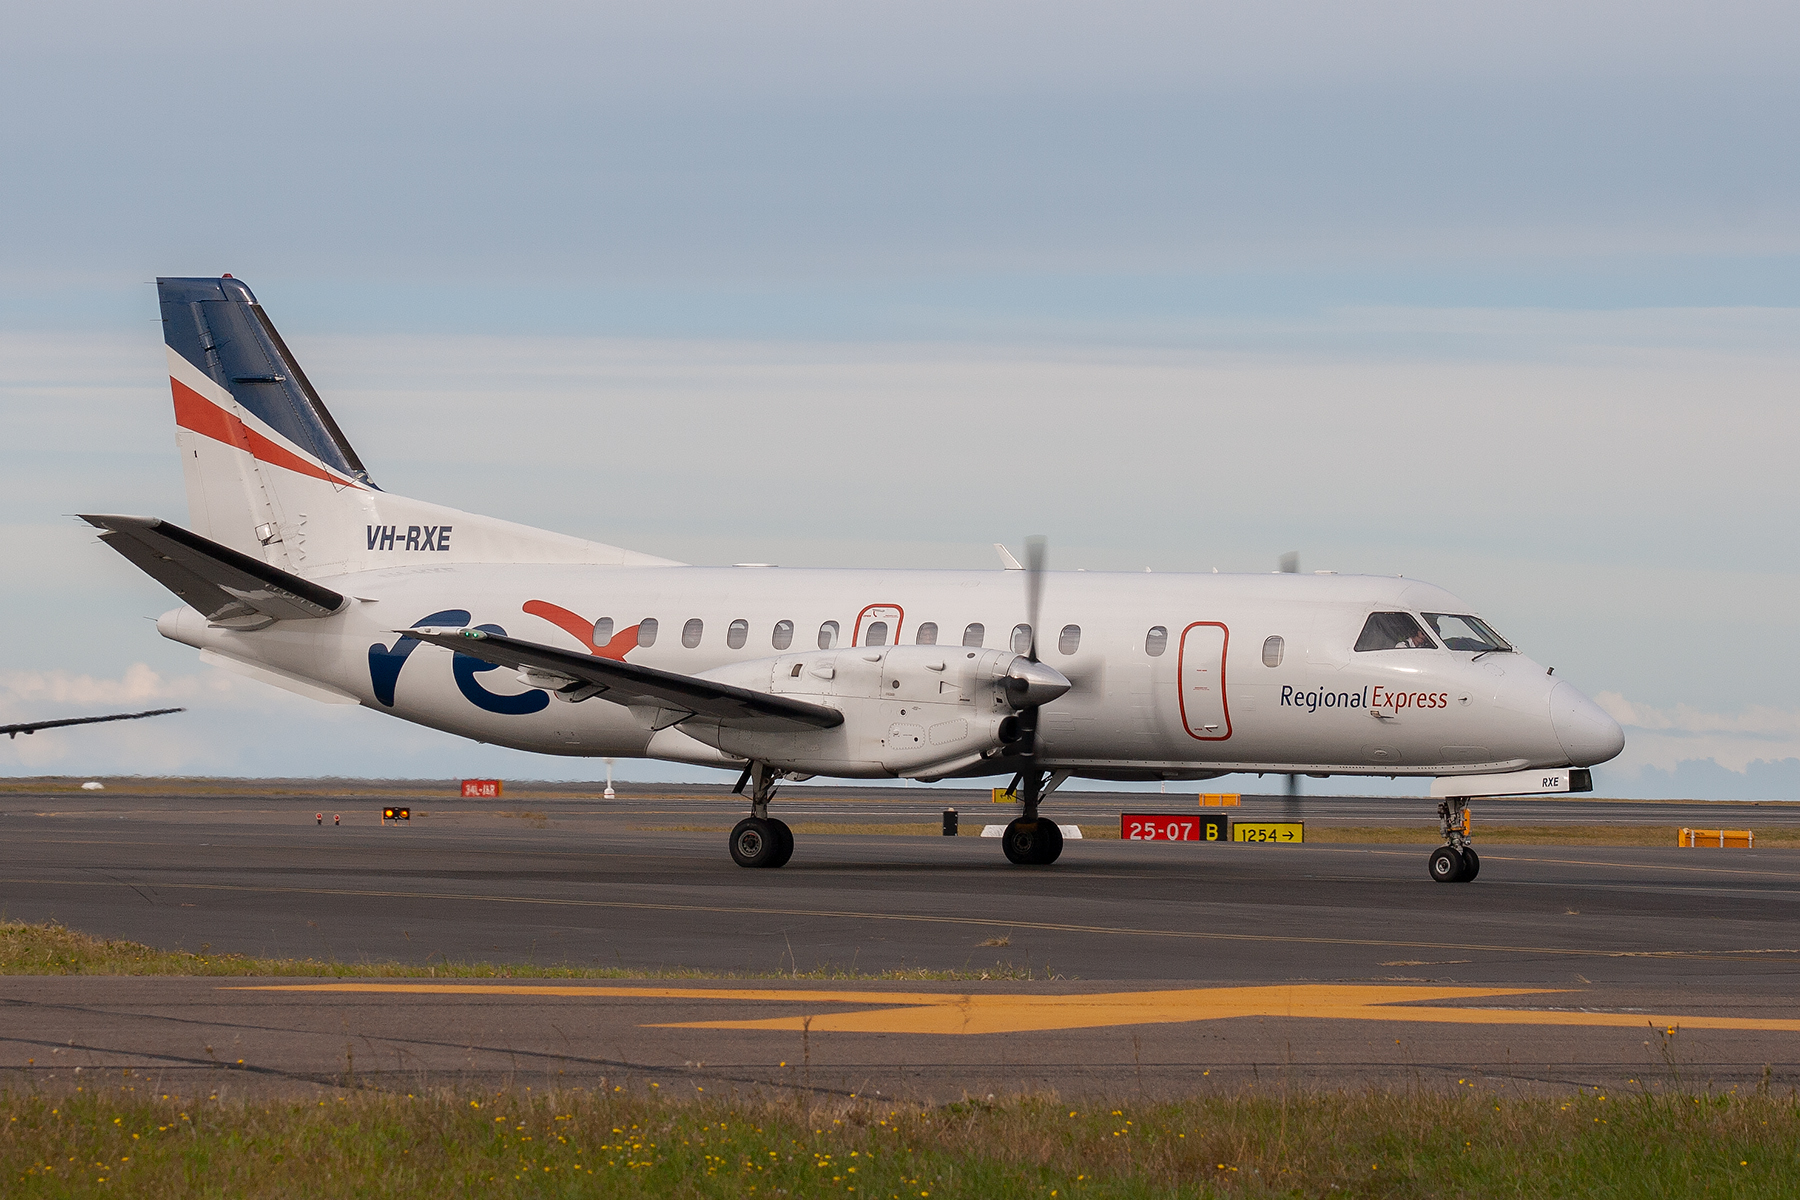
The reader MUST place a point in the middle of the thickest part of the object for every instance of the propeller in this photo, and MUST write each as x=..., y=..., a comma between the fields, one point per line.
x=1290, y=565
x=1031, y=684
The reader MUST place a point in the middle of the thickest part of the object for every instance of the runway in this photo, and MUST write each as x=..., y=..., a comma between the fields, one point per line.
x=1155, y=968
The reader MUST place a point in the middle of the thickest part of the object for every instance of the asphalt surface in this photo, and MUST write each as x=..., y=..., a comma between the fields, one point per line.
x=1200, y=965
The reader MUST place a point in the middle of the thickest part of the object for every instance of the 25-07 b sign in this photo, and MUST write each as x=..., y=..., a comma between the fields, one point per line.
x=1172, y=827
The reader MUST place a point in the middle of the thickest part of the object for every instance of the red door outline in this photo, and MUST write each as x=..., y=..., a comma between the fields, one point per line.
x=1181, y=681
x=856, y=633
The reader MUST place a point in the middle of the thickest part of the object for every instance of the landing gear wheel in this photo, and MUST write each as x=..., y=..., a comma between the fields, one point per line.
x=1032, y=843
x=1446, y=865
x=1471, y=864
x=785, y=850
x=755, y=843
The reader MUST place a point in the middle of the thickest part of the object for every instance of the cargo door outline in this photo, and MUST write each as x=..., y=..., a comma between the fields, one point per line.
x=1210, y=670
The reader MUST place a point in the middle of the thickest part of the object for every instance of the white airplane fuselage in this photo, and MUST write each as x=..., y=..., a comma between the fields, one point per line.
x=1211, y=694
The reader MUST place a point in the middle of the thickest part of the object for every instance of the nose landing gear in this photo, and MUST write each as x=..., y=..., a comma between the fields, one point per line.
x=1455, y=862
x=760, y=840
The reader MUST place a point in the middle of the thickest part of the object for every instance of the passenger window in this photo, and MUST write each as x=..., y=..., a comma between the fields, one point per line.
x=973, y=634
x=828, y=635
x=690, y=633
x=926, y=634
x=877, y=634
x=783, y=636
x=603, y=631
x=1272, y=652
x=1069, y=641
x=647, y=631
x=1156, y=641
x=1021, y=639
x=1393, y=631
x=736, y=634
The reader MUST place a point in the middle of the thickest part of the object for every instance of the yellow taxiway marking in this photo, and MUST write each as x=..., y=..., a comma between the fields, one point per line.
x=948, y=1013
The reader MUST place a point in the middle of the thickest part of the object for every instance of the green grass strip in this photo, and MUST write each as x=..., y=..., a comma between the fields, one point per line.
x=626, y=1144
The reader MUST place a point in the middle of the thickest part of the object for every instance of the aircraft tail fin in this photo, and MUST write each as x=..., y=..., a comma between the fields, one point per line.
x=271, y=475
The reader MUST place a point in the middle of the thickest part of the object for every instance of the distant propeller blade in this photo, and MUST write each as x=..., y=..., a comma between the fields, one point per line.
x=1036, y=548
x=1290, y=563
x=1291, y=809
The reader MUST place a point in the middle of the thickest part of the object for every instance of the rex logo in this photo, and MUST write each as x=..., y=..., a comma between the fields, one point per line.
x=385, y=663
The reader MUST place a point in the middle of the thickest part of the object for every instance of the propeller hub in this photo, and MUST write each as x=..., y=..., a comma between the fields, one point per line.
x=1029, y=684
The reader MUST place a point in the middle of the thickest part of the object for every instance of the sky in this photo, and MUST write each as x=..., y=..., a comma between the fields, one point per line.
x=1500, y=296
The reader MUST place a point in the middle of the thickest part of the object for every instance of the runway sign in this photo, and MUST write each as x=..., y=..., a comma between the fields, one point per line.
x=1283, y=833
x=1172, y=827
x=481, y=789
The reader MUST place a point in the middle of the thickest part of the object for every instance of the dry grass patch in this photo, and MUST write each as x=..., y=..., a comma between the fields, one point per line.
x=618, y=1143
x=50, y=949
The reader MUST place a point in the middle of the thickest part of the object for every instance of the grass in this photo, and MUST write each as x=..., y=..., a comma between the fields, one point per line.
x=622, y=1143
x=50, y=949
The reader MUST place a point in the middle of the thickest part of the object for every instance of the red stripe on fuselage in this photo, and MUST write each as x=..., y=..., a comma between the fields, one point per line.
x=194, y=411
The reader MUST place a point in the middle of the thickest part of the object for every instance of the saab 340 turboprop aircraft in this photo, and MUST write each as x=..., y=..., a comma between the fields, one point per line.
x=295, y=568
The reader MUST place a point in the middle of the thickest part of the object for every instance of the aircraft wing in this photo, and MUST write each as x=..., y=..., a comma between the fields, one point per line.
x=634, y=685
x=230, y=588
x=34, y=726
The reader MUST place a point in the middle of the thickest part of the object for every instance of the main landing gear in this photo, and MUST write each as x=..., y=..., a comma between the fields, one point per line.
x=760, y=840
x=1032, y=842
x=1457, y=861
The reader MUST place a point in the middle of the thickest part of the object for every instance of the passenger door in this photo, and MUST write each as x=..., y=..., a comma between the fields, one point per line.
x=1205, y=713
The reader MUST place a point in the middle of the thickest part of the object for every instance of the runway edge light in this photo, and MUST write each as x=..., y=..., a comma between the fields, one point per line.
x=396, y=814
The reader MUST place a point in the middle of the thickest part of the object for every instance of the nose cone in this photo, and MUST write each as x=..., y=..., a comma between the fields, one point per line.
x=1029, y=683
x=1587, y=734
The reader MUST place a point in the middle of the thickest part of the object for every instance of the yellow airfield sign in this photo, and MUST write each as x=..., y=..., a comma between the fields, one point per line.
x=1281, y=833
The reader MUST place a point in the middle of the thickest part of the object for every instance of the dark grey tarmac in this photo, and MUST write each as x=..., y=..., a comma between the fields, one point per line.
x=1639, y=937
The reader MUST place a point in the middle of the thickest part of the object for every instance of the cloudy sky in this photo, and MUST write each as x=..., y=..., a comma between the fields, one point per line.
x=1500, y=296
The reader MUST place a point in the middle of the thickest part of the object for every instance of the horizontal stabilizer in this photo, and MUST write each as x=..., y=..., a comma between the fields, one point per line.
x=34, y=726
x=229, y=588
x=634, y=685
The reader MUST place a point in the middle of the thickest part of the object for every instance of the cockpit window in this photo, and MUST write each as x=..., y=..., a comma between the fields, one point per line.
x=1465, y=632
x=1393, y=631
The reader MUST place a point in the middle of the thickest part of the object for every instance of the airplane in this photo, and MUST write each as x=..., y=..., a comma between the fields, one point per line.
x=13, y=731
x=297, y=569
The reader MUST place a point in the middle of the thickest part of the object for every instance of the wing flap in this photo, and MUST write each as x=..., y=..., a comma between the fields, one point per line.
x=642, y=687
x=230, y=588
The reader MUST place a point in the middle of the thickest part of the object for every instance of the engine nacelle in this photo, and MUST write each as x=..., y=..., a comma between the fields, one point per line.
x=908, y=710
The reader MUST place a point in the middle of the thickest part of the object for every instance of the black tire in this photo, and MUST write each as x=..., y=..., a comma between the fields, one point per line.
x=754, y=843
x=1471, y=864
x=1445, y=865
x=1031, y=843
x=1019, y=841
x=785, y=850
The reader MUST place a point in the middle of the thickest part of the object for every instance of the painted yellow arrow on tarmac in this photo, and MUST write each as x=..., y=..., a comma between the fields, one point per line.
x=968, y=1013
